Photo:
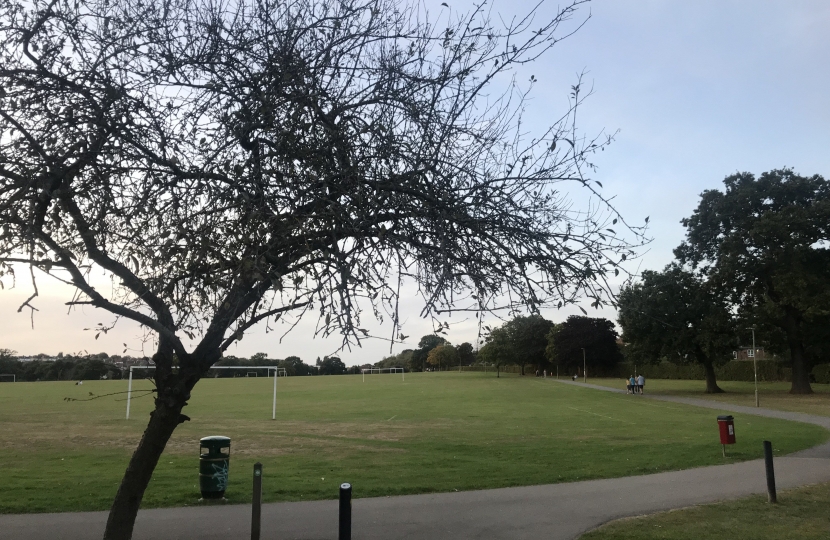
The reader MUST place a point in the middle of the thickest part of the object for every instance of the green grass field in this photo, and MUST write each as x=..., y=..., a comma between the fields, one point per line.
x=800, y=513
x=434, y=432
x=772, y=395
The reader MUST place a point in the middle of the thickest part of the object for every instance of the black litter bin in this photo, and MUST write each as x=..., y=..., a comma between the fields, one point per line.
x=214, y=462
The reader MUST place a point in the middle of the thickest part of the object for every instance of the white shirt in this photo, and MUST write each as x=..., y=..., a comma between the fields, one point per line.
x=641, y=380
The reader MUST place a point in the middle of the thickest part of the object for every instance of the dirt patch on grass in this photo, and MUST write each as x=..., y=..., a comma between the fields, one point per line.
x=253, y=437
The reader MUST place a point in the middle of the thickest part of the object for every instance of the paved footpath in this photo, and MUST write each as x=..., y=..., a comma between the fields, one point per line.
x=550, y=512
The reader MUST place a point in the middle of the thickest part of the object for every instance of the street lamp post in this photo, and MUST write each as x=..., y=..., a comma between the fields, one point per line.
x=755, y=365
x=584, y=367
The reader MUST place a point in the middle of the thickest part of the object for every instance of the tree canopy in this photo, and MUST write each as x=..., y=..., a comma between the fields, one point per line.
x=466, y=354
x=597, y=336
x=520, y=341
x=765, y=241
x=443, y=356
x=332, y=365
x=229, y=164
x=676, y=315
x=428, y=342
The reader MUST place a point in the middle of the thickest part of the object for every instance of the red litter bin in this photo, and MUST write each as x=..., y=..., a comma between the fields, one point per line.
x=726, y=428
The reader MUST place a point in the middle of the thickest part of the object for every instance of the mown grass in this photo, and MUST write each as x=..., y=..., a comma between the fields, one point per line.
x=772, y=395
x=433, y=432
x=801, y=513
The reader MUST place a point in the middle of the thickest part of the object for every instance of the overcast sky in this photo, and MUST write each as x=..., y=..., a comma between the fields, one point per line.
x=698, y=90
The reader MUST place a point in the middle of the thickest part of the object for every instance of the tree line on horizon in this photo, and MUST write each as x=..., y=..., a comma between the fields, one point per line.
x=73, y=367
x=522, y=341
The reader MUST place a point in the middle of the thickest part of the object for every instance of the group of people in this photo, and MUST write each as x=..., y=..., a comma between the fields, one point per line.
x=634, y=385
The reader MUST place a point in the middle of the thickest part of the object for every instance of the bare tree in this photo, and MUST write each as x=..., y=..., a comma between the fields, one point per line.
x=231, y=163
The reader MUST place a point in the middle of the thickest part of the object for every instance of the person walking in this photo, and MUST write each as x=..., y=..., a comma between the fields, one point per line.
x=633, y=383
x=641, y=382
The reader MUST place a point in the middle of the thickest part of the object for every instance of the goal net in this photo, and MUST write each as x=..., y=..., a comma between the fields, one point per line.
x=270, y=370
x=8, y=377
x=364, y=371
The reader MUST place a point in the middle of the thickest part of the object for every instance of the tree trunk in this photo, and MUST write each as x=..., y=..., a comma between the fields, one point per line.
x=711, y=382
x=163, y=421
x=801, y=369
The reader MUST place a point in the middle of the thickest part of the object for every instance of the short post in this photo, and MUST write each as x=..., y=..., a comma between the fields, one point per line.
x=256, y=509
x=274, y=402
x=129, y=392
x=345, y=512
x=770, y=472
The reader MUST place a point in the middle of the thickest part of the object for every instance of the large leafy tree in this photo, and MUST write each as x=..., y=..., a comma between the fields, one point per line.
x=425, y=345
x=520, y=341
x=229, y=164
x=332, y=365
x=528, y=339
x=466, y=354
x=765, y=241
x=443, y=356
x=597, y=336
x=496, y=350
x=295, y=366
x=676, y=315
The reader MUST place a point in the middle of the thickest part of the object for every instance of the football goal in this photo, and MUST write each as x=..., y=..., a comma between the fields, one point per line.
x=278, y=372
x=8, y=377
x=378, y=370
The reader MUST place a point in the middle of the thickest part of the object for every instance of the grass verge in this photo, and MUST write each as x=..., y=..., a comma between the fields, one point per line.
x=801, y=513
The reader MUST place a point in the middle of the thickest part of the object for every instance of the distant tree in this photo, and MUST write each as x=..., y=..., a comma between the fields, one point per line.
x=496, y=350
x=402, y=359
x=295, y=366
x=430, y=341
x=596, y=335
x=425, y=345
x=520, y=341
x=89, y=369
x=528, y=339
x=332, y=365
x=764, y=242
x=466, y=354
x=259, y=357
x=9, y=364
x=234, y=163
x=677, y=316
x=443, y=356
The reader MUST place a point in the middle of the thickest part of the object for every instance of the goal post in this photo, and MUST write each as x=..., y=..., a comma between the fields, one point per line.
x=278, y=372
x=381, y=370
x=8, y=377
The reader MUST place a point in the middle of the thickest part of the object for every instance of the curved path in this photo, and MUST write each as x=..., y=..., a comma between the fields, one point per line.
x=556, y=511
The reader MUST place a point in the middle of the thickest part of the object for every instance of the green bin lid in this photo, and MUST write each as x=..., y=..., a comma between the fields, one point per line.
x=216, y=440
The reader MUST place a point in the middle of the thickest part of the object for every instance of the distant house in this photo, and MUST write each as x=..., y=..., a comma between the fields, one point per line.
x=746, y=353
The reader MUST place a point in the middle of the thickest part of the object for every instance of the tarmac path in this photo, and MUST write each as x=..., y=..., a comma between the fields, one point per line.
x=550, y=512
